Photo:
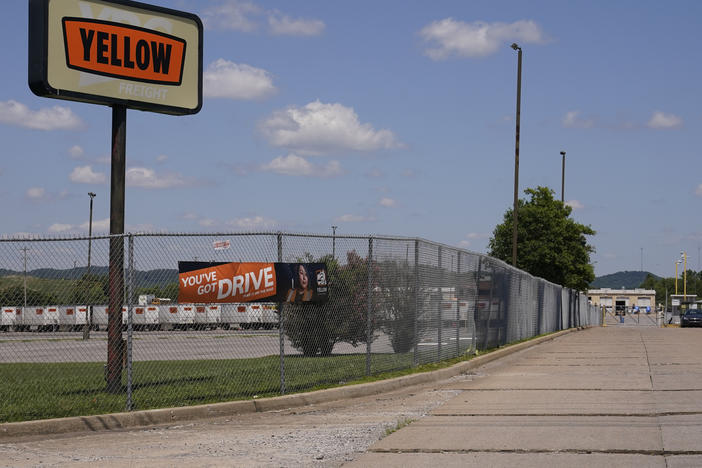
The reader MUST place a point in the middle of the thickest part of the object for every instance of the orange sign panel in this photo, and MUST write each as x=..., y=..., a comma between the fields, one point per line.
x=123, y=51
x=229, y=282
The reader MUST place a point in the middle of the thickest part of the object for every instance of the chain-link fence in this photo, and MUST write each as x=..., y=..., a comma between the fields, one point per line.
x=394, y=303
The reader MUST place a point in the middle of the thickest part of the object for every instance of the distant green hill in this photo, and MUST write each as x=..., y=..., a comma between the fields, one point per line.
x=621, y=279
x=143, y=279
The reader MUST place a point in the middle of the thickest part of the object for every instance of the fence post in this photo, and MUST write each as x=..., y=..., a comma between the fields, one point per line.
x=474, y=336
x=281, y=323
x=415, y=358
x=441, y=296
x=130, y=305
x=458, y=304
x=369, y=332
x=489, y=314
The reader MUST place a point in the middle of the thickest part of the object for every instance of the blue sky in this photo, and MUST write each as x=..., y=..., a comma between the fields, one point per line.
x=393, y=117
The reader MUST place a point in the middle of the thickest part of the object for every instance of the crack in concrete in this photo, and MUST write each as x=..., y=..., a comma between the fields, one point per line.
x=627, y=415
x=536, y=451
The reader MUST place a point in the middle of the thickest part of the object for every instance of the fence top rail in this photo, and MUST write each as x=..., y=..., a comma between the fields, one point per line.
x=68, y=238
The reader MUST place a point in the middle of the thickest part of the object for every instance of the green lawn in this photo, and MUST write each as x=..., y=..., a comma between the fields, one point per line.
x=38, y=391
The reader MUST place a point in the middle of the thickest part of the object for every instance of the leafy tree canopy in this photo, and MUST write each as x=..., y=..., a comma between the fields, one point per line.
x=550, y=244
x=689, y=282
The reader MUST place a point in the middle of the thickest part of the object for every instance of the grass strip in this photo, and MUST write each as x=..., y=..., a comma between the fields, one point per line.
x=53, y=390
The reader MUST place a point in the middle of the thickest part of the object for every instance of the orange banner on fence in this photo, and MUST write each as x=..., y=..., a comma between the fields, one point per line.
x=229, y=282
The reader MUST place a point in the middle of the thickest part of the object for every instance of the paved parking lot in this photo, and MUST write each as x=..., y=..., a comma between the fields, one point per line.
x=180, y=345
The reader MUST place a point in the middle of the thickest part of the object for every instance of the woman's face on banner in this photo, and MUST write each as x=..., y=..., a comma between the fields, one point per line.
x=302, y=277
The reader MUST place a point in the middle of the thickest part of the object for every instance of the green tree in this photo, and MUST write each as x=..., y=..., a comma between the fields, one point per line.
x=91, y=289
x=14, y=297
x=396, y=302
x=169, y=291
x=314, y=329
x=665, y=287
x=550, y=244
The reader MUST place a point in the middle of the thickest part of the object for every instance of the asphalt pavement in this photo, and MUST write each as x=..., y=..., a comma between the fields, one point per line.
x=625, y=395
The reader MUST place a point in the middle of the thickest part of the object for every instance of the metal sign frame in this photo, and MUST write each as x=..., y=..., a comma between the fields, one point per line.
x=39, y=70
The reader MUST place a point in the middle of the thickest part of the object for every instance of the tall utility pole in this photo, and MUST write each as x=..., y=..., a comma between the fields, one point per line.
x=334, y=241
x=89, y=312
x=563, y=178
x=516, y=154
x=24, y=250
x=116, y=267
x=684, y=257
x=641, y=258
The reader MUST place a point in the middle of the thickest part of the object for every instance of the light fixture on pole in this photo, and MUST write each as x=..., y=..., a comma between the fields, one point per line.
x=563, y=178
x=89, y=311
x=516, y=155
x=677, y=262
x=683, y=255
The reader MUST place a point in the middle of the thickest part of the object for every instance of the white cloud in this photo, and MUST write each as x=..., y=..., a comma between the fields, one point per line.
x=350, y=218
x=76, y=152
x=231, y=15
x=206, y=222
x=375, y=173
x=661, y=120
x=387, y=202
x=58, y=227
x=320, y=128
x=225, y=79
x=281, y=24
x=99, y=225
x=255, y=222
x=48, y=118
x=86, y=175
x=36, y=193
x=294, y=165
x=144, y=177
x=575, y=204
x=449, y=37
x=572, y=120
x=471, y=237
x=161, y=158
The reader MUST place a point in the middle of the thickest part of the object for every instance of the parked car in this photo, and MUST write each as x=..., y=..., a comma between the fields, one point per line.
x=691, y=318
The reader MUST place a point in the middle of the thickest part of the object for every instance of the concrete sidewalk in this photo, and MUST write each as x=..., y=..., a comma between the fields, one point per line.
x=614, y=396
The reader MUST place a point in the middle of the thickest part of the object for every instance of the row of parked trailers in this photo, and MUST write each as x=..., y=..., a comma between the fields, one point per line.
x=144, y=317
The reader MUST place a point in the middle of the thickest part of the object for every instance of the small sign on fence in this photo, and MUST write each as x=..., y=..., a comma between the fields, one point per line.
x=221, y=245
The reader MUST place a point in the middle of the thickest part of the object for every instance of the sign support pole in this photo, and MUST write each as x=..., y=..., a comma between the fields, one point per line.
x=116, y=268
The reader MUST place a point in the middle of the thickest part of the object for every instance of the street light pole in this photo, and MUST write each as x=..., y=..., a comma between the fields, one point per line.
x=334, y=241
x=89, y=311
x=516, y=154
x=563, y=178
x=676, y=276
x=24, y=250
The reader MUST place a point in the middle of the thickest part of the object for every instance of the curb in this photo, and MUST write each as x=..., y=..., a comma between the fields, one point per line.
x=164, y=416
